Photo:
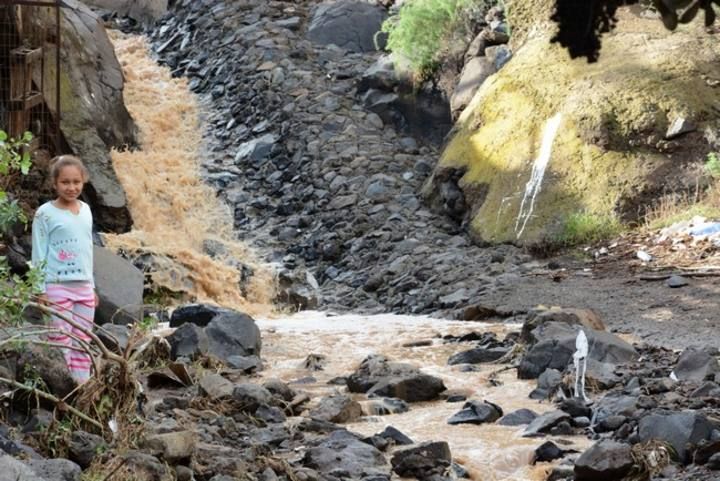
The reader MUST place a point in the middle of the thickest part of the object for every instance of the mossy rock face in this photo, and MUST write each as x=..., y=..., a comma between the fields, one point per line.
x=610, y=156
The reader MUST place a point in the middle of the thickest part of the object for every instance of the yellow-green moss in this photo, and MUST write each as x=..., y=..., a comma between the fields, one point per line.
x=644, y=80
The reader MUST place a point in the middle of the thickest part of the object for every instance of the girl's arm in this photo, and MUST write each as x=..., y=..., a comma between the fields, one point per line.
x=40, y=244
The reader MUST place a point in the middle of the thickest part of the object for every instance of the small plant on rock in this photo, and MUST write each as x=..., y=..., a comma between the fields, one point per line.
x=421, y=28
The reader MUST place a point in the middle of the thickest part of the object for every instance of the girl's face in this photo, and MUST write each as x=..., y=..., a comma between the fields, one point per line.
x=69, y=183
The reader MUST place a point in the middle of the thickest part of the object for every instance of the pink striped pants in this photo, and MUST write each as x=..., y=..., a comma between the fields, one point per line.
x=75, y=300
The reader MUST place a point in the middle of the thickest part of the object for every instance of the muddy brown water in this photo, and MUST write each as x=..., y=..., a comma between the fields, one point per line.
x=489, y=452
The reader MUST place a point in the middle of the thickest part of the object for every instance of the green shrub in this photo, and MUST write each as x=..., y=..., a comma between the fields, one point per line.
x=712, y=165
x=587, y=228
x=420, y=29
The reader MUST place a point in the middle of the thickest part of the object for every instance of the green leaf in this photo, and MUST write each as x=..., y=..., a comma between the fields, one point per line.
x=25, y=164
x=3, y=136
x=27, y=137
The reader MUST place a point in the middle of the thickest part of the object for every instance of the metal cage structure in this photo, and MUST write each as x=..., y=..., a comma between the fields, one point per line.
x=30, y=60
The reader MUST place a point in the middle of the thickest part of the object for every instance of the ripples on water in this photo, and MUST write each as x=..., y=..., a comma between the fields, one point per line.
x=490, y=452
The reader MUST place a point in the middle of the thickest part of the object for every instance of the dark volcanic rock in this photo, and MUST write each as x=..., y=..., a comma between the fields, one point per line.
x=557, y=346
x=337, y=409
x=189, y=341
x=517, y=418
x=233, y=334
x=478, y=355
x=604, y=461
x=381, y=377
x=198, y=314
x=84, y=447
x=251, y=396
x=547, y=451
x=545, y=422
x=423, y=461
x=681, y=430
x=342, y=454
x=695, y=365
x=475, y=412
x=350, y=25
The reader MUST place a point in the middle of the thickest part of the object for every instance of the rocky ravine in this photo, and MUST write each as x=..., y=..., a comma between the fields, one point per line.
x=326, y=189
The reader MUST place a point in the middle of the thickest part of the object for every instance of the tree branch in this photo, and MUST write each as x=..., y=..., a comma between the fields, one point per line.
x=61, y=405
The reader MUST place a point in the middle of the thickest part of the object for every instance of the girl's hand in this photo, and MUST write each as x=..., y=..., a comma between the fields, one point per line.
x=43, y=299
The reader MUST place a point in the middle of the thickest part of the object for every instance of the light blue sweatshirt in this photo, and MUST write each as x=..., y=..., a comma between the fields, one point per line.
x=63, y=242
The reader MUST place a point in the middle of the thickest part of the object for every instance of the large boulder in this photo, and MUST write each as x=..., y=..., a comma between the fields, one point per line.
x=423, y=461
x=378, y=376
x=612, y=149
x=681, y=430
x=344, y=454
x=119, y=285
x=695, y=365
x=94, y=117
x=351, y=25
x=533, y=327
x=557, y=346
x=604, y=460
x=233, y=333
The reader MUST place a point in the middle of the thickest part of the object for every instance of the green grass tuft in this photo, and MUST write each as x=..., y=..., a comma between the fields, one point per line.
x=587, y=228
x=422, y=28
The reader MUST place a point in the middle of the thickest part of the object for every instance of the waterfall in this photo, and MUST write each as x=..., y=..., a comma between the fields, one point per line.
x=532, y=188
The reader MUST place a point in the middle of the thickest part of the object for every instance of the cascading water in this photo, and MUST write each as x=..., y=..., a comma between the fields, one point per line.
x=533, y=186
x=175, y=213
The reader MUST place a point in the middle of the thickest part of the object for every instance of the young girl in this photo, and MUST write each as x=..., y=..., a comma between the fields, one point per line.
x=62, y=244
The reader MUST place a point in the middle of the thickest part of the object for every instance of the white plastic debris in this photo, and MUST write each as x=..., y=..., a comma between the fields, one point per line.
x=644, y=256
x=580, y=362
x=113, y=425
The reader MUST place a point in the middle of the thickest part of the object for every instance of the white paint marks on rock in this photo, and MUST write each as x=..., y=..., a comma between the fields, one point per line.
x=532, y=188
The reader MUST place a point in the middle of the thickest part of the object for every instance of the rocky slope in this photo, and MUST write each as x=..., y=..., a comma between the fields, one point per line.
x=328, y=190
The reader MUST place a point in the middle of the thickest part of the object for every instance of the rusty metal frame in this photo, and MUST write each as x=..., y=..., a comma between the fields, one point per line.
x=57, y=4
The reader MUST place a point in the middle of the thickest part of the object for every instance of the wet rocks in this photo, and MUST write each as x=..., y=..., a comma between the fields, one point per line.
x=378, y=376
x=479, y=355
x=517, y=418
x=475, y=412
x=337, y=409
x=604, y=460
x=544, y=423
x=422, y=461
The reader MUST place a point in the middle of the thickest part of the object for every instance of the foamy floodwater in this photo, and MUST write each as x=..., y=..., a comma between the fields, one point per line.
x=175, y=214
x=490, y=452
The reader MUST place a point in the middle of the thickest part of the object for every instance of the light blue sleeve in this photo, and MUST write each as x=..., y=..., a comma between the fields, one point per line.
x=40, y=244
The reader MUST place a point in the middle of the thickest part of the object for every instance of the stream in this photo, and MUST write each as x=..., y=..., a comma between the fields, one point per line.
x=489, y=452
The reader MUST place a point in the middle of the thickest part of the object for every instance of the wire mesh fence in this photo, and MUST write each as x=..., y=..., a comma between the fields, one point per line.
x=29, y=77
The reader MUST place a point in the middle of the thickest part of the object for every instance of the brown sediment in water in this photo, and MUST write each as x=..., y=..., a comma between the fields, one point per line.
x=174, y=211
x=489, y=452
